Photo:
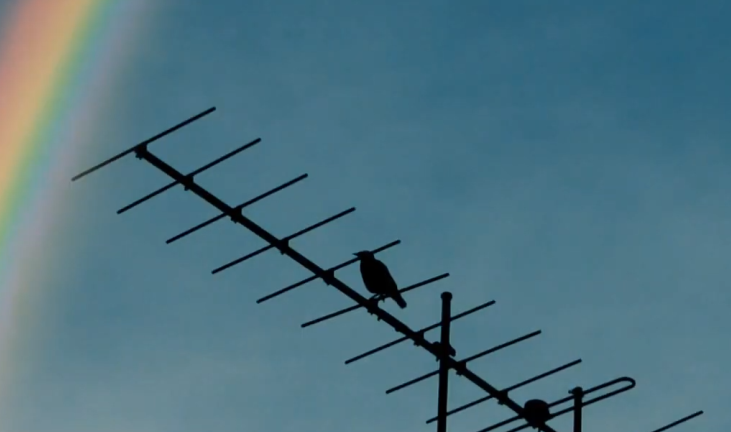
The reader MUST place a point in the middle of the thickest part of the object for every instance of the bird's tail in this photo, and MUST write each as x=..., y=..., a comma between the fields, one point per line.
x=399, y=300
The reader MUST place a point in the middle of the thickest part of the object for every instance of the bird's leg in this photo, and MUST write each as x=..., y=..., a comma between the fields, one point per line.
x=503, y=393
x=282, y=245
x=375, y=298
x=190, y=178
x=463, y=364
x=373, y=301
x=328, y=276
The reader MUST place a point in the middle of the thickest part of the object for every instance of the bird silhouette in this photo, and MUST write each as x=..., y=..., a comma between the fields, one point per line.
x=377, y=279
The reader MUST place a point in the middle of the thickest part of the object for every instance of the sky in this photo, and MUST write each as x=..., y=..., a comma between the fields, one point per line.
x=568, y=160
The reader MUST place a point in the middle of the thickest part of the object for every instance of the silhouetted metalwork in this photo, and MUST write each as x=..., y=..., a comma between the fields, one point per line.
x=356, y=307
x=143, y=144
x=446, y=350
x=629, y=385
x=578, y=396
x=327, y=274
x=511, y=388
x=677, y=422
x=422, y=331
x=466, y=360
x=535, y=412
x=237, y=208
x=284, y=240
x=190, y=175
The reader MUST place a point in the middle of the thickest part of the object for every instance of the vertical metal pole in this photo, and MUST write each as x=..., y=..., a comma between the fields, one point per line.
x=443, y=365
x=578, y=393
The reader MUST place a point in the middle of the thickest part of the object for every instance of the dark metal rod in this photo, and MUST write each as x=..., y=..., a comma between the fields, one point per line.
x=191, y=175
x=285, y=239
x=578, y=394
x=466, y=360
x=443, y=390
x=677, y=422
x=329, y=278
x=238, y=208
x=631, y=384
x=147, y=197
x=143, y=143
x=508, y=389
x=330, y=271
x=355, y=307
x=422, y=331
x=228, y=155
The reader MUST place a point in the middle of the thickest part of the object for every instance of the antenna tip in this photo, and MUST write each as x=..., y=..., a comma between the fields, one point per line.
x=446, y=295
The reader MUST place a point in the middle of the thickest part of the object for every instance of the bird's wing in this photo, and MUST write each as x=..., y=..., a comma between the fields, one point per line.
x=381, y=268
x=389, y=284
x=370, y=278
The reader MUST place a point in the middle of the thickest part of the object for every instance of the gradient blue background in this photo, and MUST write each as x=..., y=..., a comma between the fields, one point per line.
x=567, y=159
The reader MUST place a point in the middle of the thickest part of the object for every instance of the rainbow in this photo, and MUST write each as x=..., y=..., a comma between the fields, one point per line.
x=57, y=58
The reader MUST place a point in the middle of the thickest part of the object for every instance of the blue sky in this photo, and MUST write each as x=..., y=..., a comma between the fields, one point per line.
x=566, y=159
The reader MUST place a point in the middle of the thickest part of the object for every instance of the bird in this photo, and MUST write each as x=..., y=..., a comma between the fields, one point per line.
x=377, y=279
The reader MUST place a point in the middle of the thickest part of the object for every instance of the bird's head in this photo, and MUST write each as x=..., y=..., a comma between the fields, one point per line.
x=364, y=254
